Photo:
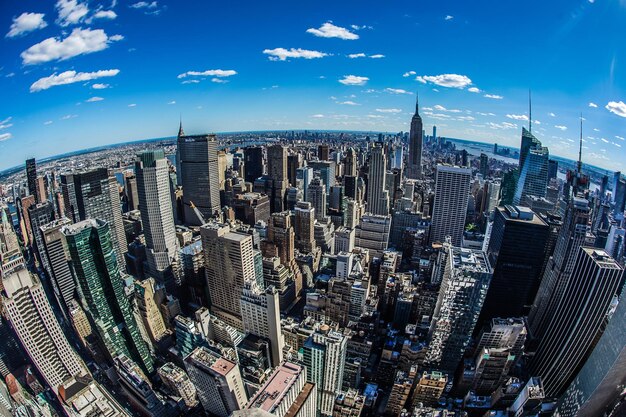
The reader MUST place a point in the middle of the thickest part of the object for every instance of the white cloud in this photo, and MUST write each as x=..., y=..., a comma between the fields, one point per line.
x=132, y=105
x=449, y=17
x=103, y=14
x=409, y=73
x=617, y=107
x=99, y=86
x=439, y=107
x=191, y=82
x=353, y=80
x=219, y=80
x=349, y=103
x=281, y=54
x=561, y=127
x=595, y=129
x=172, y=102
x=79, y=42
x=377, y=56
x=517, y=117
x=5, y=136
x=71, y=12
x=551, y=114
x=396, y=91
x=619, y=137
x=357, y=27
x=5, y=124
x=389, y=110
x=317, y=116
x=144, y=5
x=446, y=80
x=375, y=116
x=592, y=104
x=493, y=96
x=208, y=73
x=70, y=77
x=501, y=126
x=474, y=90
x=47, y=122
x=26, y=22
x=93, y=99
x=328, y=30
x=359, y=55
x=604, y=140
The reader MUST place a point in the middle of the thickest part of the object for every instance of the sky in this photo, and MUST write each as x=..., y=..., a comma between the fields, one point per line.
x=76, y=74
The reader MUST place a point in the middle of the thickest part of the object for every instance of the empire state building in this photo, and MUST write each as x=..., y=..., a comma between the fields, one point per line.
x=415, y=145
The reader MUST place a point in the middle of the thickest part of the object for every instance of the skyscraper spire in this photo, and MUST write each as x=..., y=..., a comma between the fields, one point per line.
x=530, y=113
x=181, y=132
x=417, y=105
x=580, y=146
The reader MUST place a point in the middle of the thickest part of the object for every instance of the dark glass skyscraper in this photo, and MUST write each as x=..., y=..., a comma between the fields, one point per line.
x=253, y=158
x=415, y=145
x=31, y=176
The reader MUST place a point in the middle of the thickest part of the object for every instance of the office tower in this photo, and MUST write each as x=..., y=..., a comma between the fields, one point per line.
x=619, y=197
x=27, y=233
x=42, y=194
x=229, y=263
x=95, y=195
x=465, y=281
x=277, y=171
x=434, y=133
x=138, y=390
x=103, y=290
x=197, y=156
x=345, y=239
x=533, y=177
x=10, y=251
x=316, y=195
x=281, y=236
x=156, y=216
x=27, y=308
x=324, y=358
x=572, y=235
x=578, y=319
x=402, y=385
x=31, y=176
x=516, y=253
x=529, y=141
x=178, y=382
x=130, y=189
x=416, y=137
x=484, y=165
x=260, y=312
x=58, y=260
x=372, y=233
x=304, y=176
x=450, y=206
x=253, y=158
x=304, y=221
x=597, y=386
x=281, y=392
x=294, y=161
x=323, y=152
x=429, y=388
x=500, y=346
x=326, y=170
x=351, y=163
x=149, y=310
x=39, y=215
x=377, y=195
x=553, y=169
x=217, y=381
x=87, y=398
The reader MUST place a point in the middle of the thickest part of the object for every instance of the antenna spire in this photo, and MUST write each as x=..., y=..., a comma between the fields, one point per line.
x=530, y=113
x=417, y=106
x=580, y=146
x=181, y=132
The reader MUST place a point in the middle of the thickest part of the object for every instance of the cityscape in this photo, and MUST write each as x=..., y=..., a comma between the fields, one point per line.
x=402, y=265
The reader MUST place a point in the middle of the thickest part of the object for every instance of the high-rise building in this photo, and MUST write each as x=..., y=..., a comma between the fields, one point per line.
x=463, y=288
x=372, y=233
x=260, y=312
x=416, y=138
x=516, y=252
x=323, y=152
x=130, y=189
x=10, y=252
x=533, y=177
x=157, y=218
x=95, y=195
x=304, y=175
x=578, y=319
x=277, y=172
x=324, y=358
x=29, y=312
x=149, y=310
x=31, y=176
x=103, y=290
x=529, y=141
x=304, y=221
x=39, y=215
x=253, y=159
x=402, y=385
x=597, y=386
x=218, y=382
x=377, y=195
x=178, y=382
x=138, y=389
x=351, y=163
x=229, y=264
x=450, y=206
x=316, y=195
x=484, y=165
x=429, y=388
x=42, y=194
x=197, y=158
x=58, y=260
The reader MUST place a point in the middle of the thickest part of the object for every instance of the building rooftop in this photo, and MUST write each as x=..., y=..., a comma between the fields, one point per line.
x=469, y=260
x=279, y=383
x=211, y=361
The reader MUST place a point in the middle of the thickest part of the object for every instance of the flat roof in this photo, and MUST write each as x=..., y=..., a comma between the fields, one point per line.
x=276, y=386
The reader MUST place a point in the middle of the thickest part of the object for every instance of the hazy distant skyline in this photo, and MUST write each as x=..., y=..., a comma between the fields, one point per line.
x=79, y=74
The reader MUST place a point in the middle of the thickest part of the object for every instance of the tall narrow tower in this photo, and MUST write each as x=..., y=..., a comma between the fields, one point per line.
x=415, y=144
x=377, y=196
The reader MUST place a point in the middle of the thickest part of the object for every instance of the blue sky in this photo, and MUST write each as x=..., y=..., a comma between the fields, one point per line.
x=76, y=74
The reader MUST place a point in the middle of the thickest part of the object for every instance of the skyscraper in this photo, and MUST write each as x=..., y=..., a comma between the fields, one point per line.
x=58, y=261
x=450, y=207
x=31, y=317
x=229, y=263
x=415, y=145
x=578, y=319
x=277, y=171
x=533, y=178
x=95, y=195
x=157, y=217
x=377, y=195
x=253, y=158
x=316, y=195
x=516, y=252
x=39, y=215
x=197, y=157
x=130, y=189
x=465, y=281
x=101, y=283
x=351, y=163
x=304, y=221
x=31, y=176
